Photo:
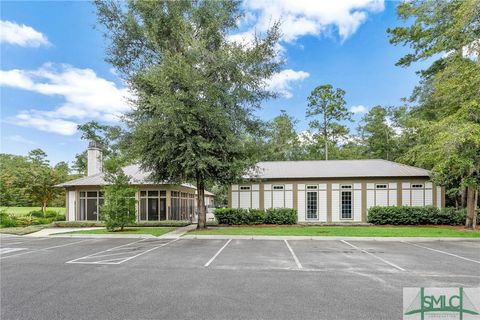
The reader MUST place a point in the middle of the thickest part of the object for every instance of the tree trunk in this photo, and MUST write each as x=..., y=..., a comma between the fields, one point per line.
x=202, y=213
x=472, y=194
x=463, y=201
x=475, y=206
x=325, y=138
x=44, y=207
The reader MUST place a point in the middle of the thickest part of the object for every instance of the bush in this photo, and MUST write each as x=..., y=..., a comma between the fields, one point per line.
x=7, y=221
x=52, y=214
x=416, y=215
x=36, y=213
x=78, y=224
x=255, y=216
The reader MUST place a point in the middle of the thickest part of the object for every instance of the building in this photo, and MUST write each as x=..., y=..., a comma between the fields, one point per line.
x=155, y=202
x=335, y=190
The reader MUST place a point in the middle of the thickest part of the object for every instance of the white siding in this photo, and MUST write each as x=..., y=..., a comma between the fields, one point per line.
x=417, y=197
x=439, y=197
x=322, y=186
x=289, y=187
x=381, y=198
x=322, y=205
x=234, y=199
x=406, y=197
x=357, y=205
x=288, y=199
x=267, y=187
x=428, y=197
x=267, y=199
x=255, y=187
x=301, y=205
x=370, y=198
x=245, y=200
x=335, y=205
x=392, y=197
x=278, y=199
x=255, y=200
x=234, y=187
x=71, y=205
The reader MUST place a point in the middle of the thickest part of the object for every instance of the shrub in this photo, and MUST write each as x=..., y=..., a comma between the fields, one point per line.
x=416, y=215
x=281, y=216
x=52, y=214
x=255, y=216
x=36, y=213
x=78, y=224
x=7, y=221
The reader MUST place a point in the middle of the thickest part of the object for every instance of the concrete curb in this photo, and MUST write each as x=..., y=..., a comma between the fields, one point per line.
x=104, y=236
x=319, y=238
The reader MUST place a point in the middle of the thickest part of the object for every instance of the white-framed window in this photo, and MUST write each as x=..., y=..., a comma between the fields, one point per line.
x=90, y=203
x=346, y=202
x=278, y=187
x=381, y=186
x=245, y=188
x=417, y=186
x=153, y=205
x=312, y=204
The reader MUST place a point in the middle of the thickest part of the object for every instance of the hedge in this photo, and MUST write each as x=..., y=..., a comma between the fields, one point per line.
x=416, y=215
x=255, y=216
x=84, y=224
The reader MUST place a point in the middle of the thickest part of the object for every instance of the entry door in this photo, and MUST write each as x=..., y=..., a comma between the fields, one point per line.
x=152, y=209
x=163, y=209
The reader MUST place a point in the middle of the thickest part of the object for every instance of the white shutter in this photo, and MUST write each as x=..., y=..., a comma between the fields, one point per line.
x=322, y=205
x=381, y=198
x=357, y=205
x=245, y=198
x=417, y=197
x=335, y=206
x=301, y=205
x=392, y=197
x=288, y=199
x=255, y=200
x=71, y=205
x=439, y=197
x=235, y=200
x=278, y=199
x=370, y=198
x=267, y=199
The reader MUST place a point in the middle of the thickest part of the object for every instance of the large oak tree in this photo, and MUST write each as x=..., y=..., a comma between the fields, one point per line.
x=195, y=91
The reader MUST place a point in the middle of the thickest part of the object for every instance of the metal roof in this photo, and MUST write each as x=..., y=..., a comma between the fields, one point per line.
x=137, y=177
x=333, y=169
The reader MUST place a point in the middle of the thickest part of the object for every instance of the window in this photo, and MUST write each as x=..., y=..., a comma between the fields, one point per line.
x=381, y=186
x=417, y=186
x=277, y=187
x=312, y=205
x=346, y=204
x=346, y=187
x=153, y=205
x=244, y=187
x=90, y=203
x=312, y=187
x=182, y=205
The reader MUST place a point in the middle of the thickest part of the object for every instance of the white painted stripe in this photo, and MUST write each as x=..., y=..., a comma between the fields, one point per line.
x=111, y=249
x=8, y=250
x=43, y=249
x=440, y=251
x=379, y=258
x=216, y=254
x=142, y=253
x=299, y=265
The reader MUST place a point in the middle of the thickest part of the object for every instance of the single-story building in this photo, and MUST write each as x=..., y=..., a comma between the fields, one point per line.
x=155, y=202
x=335, y=190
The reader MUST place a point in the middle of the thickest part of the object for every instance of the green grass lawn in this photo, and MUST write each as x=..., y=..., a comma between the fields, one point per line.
x=154, y=231
x=374, y=231
x=21, y=211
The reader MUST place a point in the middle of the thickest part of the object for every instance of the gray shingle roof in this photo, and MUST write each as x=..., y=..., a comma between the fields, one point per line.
x=334, y=169
x=138, y=177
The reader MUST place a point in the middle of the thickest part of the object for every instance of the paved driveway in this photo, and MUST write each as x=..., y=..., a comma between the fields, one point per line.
x=72, y=278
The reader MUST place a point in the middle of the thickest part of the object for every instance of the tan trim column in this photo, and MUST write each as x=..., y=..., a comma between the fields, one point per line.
x=434, y=195
x=229, y=196
x=168, y=199
x=295, y=196
x=399, y=193
x=443, y=197
x=329, y=202
x=364, y=202
x=261, y=197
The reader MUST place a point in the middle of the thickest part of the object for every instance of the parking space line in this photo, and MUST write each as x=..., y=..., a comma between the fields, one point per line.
x=375, y=256
x=111, y=249
x=216, y=254
x=113, y=260
x=43, y=249
x=440, y=251
x=299, y=265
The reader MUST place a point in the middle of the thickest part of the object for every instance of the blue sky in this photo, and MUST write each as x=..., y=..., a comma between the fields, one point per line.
x=53, y=74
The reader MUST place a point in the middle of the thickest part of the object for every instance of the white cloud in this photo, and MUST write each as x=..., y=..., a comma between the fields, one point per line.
x=281, y=82
x=19, y=139
x=86, y=96
x=358, y=109
x=22, y=35
x=307, y=17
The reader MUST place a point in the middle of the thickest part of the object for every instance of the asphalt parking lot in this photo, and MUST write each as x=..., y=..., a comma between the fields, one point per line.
x=75, y=278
